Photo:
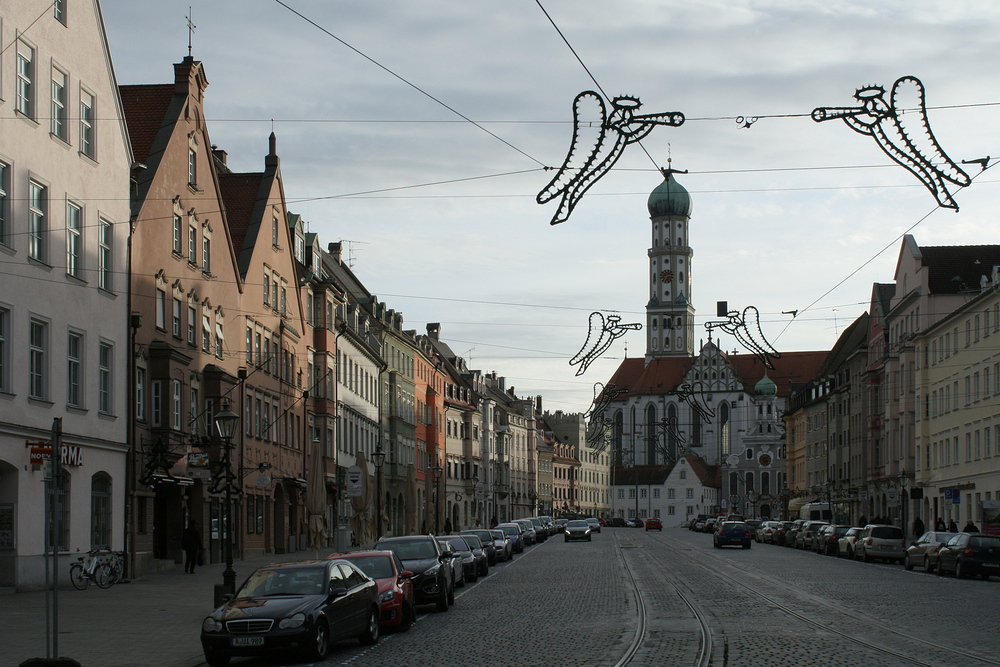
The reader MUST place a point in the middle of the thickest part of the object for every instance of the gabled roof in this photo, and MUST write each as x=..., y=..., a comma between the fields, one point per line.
x=955, y=269
x=708, y=475
x=854, y=337
x=145, y=108
x=240, y=193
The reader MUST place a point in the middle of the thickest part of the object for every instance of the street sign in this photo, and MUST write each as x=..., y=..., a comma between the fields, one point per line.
x=956, y=497
x=891, y=494
x=354, y=486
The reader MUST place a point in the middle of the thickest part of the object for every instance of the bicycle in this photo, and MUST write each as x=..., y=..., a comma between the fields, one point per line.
x=116, y=567
x=91, y=567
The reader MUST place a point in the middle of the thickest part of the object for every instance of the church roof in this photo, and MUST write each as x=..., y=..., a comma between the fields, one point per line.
x=708, y=475
x=669, y=198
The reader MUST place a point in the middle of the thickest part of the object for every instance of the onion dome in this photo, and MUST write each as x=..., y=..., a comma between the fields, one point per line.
x=669, y=197
x=766, y=387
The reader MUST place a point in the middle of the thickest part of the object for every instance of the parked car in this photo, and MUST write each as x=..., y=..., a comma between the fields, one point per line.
x=792, y=532
x=698, y=523
x=482, y=561
x=504, y=545
x=654, y=523
x=433, y=576
x=541, y=532
x=296, y=606
x=766, y=529
x=753, y=525
x=577, y=529
x=634, y=523
x=880, y=541
x=595, y=525
x=924, y=552
x=732, y=532
x=515, y=533
x=486, y=543
x=395, y=588
x=803, y=538
x=456, y=559
x=969, y=554
x=529, y=531
x=709, y=525
x=826, y=540
x=778, y=536
x=845, y=545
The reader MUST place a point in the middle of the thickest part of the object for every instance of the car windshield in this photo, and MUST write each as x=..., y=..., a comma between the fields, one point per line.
x=457, y=543
x=734, y=525
x=472, y=541
x=578, y=524
x=269, y=582
x=498, y=535
x=416, y=550
x=376, y=567
x=510, y=530
x=983, y=541
x=887, y=533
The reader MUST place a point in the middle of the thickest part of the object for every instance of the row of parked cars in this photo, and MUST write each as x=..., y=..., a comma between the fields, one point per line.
x=960, y=553
x=305, y=607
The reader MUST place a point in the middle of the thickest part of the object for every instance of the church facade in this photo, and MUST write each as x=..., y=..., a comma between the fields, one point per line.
x=716, y=411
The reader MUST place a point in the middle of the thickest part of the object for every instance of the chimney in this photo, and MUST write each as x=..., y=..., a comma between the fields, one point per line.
x=334, y=249
x=271, y=160
x=220, y=155
x=538, y=404
x=434, y=330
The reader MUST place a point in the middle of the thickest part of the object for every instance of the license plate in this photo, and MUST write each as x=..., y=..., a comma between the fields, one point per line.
x=247, y=641
x=991, y=564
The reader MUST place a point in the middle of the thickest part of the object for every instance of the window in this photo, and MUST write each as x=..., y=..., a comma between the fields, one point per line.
x=59, y=12
x=206, y=334
x=87, y=145
x=192, y=323
x=74, y=369
x=689, y=493
x=249, y=345
x=192, y=167
x=161, y=310
x=175, y=406
x=671, y=494
x=4, y=210
x=267, y=290
x=37, y=361
x=105, y=397
x=104, y=261
x=25, y=102
x=37, y=208
x=282, y=297
x=206, y=247
x=683, y=474
x=192, y=244
x=274, y=231
x=177, y=318
x=58, y=118
x=4, y=337
x=631, y=493
x=100, y=510
x=621, y=493
x=177, y=234
x=140, y=394
x=74, y=244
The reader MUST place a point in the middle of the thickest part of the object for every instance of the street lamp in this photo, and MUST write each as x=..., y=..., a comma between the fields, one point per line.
x=532, y=496
x=226, y=422
x=475, y=496
x=379, y=457
x=903, y=479
x=438, y=470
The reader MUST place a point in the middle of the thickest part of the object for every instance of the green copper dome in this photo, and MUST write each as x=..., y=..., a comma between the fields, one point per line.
x=766, y=387
x=669, y=198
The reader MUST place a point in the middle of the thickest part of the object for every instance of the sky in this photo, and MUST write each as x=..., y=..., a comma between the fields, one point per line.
x=372, y=105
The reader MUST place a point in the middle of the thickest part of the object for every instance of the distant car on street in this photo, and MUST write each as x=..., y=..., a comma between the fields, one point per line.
x=654, y=523
x=732, y=532
x=577, y=529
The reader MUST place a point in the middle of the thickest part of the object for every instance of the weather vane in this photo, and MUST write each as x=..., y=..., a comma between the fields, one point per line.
x=609, y=330
x=905, y=137
x=605, y=137
x=742, y=326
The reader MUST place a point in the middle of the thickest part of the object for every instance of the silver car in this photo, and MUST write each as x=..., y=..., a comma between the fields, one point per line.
x=503, y=544
x=880, y=541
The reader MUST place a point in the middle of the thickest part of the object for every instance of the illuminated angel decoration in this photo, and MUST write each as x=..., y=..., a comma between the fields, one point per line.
x=743, y=326
x=602, y=332
x=604, y=394
x=673, y=441
x=693, y=394
x=905, y=137
x=605, y=137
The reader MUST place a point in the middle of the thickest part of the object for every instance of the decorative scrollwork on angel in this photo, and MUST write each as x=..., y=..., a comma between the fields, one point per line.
x=603, y=331
x=599, y=139
x=745, y=327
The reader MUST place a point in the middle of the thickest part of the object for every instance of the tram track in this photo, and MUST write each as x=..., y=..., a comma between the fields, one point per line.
x=916, y=653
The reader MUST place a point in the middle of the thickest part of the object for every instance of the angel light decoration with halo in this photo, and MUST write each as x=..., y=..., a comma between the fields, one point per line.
x=901, y=130
x=605, y=137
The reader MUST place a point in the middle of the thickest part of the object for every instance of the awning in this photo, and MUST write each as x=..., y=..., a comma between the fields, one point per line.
x=206, y=324
x=161, y=478
x=218, y=331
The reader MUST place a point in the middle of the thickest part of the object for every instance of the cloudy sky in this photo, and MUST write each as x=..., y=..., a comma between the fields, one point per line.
x=367, y=99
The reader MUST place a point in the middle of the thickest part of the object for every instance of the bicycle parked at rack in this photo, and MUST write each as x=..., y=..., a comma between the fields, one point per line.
x=116, y=564
x=92, y=567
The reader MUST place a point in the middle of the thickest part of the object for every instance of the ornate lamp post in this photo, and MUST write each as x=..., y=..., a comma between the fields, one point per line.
x=379, y=457
x=438, y=470
x=226, y=422
x=532, y=496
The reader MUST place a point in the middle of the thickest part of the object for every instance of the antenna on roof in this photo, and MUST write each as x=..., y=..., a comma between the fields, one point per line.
x=351, y=258
x=191, y=27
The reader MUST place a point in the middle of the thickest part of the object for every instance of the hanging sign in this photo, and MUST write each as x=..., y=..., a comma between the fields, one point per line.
x=354, y=486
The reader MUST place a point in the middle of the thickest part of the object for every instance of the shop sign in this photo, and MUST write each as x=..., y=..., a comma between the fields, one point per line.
x=354, y=486
x=69, y=455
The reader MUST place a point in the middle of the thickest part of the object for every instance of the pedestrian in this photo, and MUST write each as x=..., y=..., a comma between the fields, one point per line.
x=952, y=526
x=863, y=521
x=447, y=526
x=477, y=522
x=970, y=527
x=939, y=525
x=918, y=527
x=191, y=544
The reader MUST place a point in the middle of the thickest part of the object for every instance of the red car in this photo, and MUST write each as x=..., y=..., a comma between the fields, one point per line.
x=654, y=523
x=395, y=590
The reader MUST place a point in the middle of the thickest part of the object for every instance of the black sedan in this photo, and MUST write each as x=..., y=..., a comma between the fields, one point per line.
x=469, y=565
x=486, y=539
x=577, y=529
x=299, y=607
x=433, y=582
x=970, y=554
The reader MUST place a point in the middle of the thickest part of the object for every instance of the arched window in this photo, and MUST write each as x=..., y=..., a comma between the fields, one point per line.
x=652, y=435
x=617, y=443
x=724, y=428
x=672, y=435
x=695, y=427
x=100, y=511
x=750, y=486
x=765, y=483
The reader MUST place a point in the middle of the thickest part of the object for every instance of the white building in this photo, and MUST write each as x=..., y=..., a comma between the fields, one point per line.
x=65, y=164
x=674, y=493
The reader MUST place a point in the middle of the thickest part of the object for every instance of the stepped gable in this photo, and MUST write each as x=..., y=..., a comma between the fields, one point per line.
x=239, y=193
x=145, y=107
x=955, y=269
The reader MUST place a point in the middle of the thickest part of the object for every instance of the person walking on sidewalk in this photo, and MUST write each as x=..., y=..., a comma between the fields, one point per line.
x=191, y=544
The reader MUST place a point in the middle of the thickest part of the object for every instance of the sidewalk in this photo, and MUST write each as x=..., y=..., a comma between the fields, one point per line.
x=154, y=620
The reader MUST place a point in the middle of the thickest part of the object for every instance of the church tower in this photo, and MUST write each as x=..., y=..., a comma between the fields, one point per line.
x=669, y=313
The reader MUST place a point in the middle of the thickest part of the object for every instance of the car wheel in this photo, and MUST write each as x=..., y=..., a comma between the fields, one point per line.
x=588, y=538
x=475, y=577
x=320, y=641
x=866, y=558
x=907, y=565
x=371, y=634
x=566, y=540
x=940, y=569
x=217, y=659
x=407, y=620
x=928, y=568
x=442, y=602
x=960, y=572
